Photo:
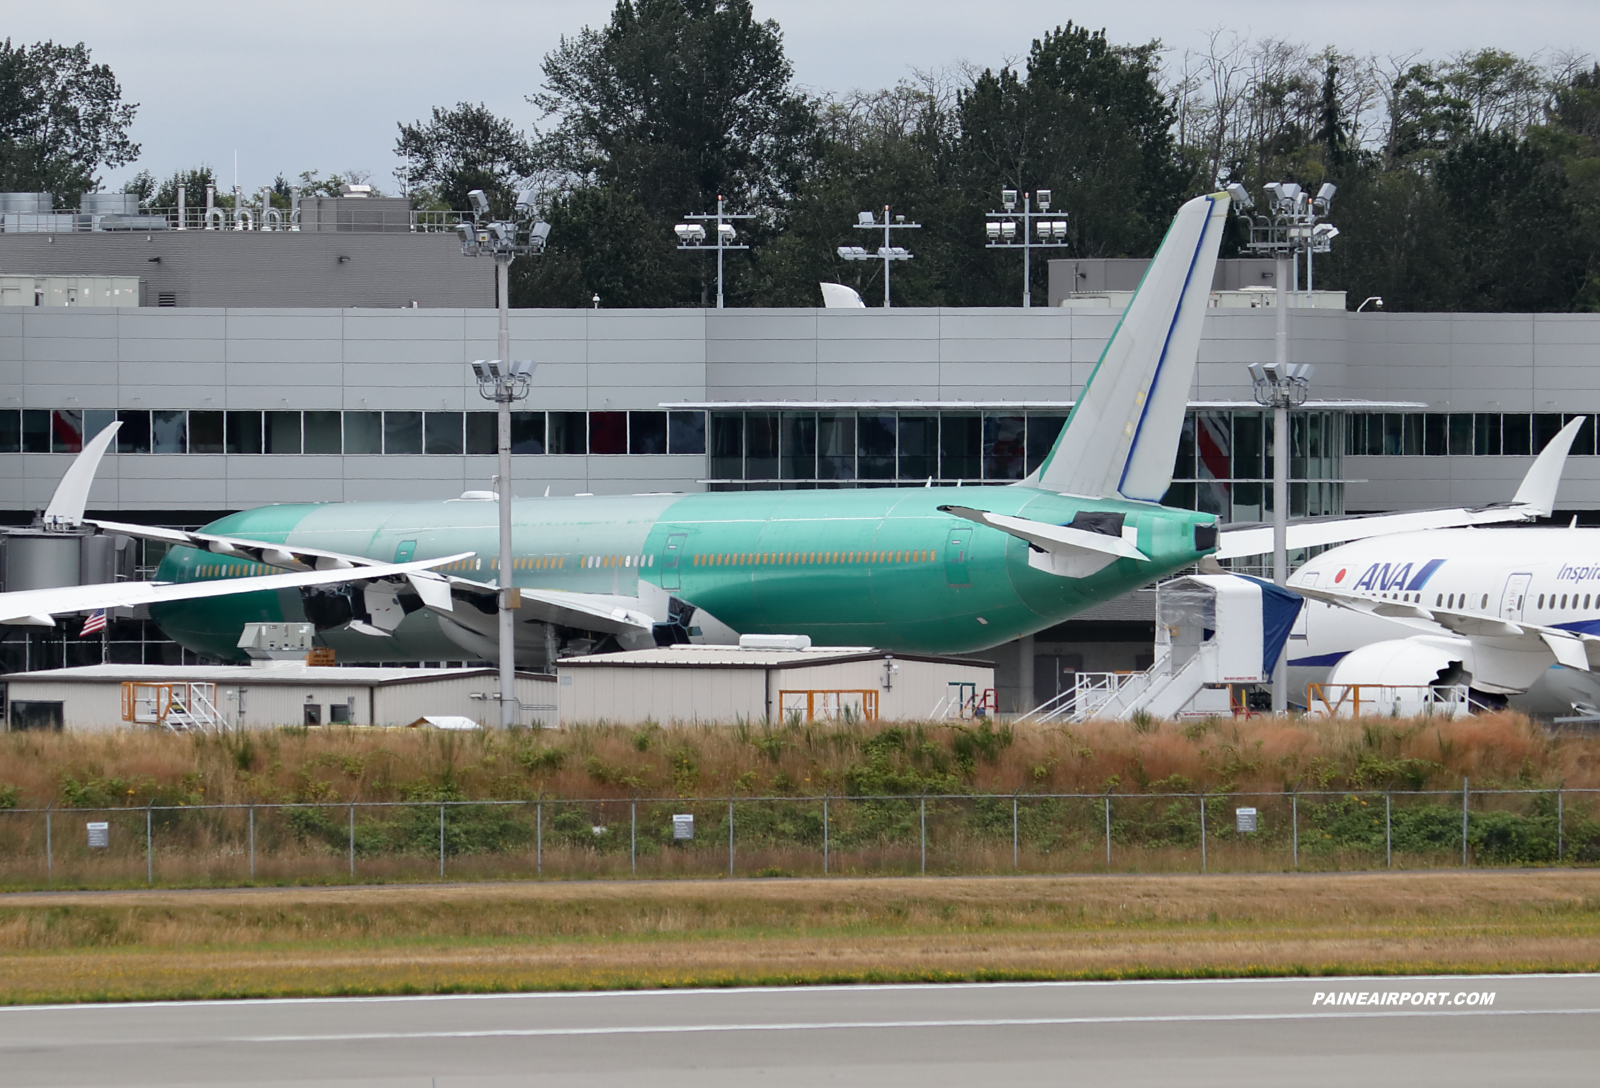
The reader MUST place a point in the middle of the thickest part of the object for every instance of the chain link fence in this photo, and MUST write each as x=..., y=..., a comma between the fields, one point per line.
x=564, y=838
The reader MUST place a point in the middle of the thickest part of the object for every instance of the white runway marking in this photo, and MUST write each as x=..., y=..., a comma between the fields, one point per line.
x=875, y=1025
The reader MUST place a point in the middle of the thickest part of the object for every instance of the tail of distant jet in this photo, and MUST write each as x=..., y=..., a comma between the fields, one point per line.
x=1122, y=436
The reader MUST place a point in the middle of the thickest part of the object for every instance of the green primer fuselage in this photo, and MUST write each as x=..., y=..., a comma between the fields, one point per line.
x=872, y=567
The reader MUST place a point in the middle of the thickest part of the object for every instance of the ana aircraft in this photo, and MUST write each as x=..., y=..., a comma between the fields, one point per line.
x=1497, y=609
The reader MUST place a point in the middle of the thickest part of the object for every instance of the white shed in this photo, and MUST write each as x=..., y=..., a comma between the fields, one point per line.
x=100, y=697
x=727, y=684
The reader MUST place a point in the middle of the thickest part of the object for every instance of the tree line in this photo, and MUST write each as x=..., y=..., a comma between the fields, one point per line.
x=1467, y=183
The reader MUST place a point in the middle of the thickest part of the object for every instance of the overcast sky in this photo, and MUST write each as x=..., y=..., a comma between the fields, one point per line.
x=297, y=87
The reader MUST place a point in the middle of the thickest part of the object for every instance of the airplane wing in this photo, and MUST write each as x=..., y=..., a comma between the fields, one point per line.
x=36, y=607
x=1058, y=549
x=285, y=556
x=604, y=612
x=1536, y=498
x=588, y=611
x=1570, y=648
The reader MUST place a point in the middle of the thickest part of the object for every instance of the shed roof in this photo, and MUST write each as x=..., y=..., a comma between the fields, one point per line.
x=732, y=657
x=276, y=672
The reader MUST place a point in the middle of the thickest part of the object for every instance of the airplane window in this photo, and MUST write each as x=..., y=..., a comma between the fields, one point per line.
x=1541, y=601
x=1563, y=600
x=1438, y=600
x=1452, y=603
x=1485, y=603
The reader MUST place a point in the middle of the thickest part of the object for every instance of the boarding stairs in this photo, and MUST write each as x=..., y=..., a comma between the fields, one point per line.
x=178, y=707
x=1212, y=632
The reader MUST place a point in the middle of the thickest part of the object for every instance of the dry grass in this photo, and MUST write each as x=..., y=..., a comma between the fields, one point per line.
x=122, y=946
x=338, y=764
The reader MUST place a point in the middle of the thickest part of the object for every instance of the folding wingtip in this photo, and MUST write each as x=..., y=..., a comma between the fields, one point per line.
x=72, y=493
x=1539, y=486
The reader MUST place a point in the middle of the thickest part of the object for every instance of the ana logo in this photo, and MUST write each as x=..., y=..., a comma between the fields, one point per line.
x=1337, y=578
x=1392, y=576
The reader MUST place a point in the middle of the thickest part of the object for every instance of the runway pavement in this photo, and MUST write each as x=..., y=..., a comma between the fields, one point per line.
x=1534, y=1030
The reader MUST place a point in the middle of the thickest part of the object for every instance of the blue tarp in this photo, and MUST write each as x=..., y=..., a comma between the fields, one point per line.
x=1279, y=609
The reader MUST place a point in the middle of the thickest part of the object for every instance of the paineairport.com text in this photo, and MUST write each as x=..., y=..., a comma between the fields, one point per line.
x=1402, y=998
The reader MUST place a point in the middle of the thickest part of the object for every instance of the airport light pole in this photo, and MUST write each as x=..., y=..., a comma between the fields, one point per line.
x=692, y=235
x=1292, y=223
x=887, y=253
x=1002, y=231
x=503, y=381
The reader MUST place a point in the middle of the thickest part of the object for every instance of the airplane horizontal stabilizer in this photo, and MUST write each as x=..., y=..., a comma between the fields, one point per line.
x=1059, y=549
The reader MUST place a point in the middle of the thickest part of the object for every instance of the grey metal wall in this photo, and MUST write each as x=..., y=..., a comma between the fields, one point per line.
x=266, y=268
x=353, y=359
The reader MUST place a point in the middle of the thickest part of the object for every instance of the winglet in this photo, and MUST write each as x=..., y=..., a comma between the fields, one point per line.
x=1538, y=488
x=72, y=493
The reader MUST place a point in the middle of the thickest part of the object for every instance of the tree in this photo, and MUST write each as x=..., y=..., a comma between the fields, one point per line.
x=62, y=119
x=461, y=149
x=164, y=194
x=670, y=105
x=1090, y=121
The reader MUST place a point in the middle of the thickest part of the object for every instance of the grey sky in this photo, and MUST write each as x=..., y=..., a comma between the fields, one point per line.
x=299, y=87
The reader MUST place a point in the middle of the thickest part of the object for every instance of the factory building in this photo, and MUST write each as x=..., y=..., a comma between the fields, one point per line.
x=254, y=394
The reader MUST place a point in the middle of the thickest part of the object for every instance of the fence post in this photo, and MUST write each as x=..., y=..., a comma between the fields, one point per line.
x=1388, y=827
x=923, y=833
x=1560, y=825
x=1015, y=856
x=538, y=838
x=252, y=841
x=633, y=837
x=352, y=840
x=1202, y=832
x=1465, y=794
x=730, y=836
x=1294, y=820
x=149, y=848
x=441, y=840
x=1108, y=830
x=49, y=852
x=824, y=836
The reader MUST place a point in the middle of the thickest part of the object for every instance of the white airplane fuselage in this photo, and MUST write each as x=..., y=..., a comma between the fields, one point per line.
x=1538, y=575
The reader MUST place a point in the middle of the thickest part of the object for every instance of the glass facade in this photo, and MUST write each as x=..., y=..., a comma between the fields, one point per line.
x=1461, y=434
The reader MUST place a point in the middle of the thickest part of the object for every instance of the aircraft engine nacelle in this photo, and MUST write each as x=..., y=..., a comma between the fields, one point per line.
x=1402, y=663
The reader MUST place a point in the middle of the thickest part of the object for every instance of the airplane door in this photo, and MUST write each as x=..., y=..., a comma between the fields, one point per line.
x=403, y=553
x=1301, y=628
x=669, y=560
x=1515, y=596
x=955, y=557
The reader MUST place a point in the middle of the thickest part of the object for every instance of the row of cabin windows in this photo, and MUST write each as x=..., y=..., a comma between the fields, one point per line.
x=1463, y=600
x=742, y=559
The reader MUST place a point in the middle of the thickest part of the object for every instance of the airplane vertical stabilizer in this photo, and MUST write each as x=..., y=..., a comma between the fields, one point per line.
x=1122, y=436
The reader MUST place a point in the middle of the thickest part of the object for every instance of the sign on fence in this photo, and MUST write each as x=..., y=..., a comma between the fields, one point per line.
x=683, y=828
x=1244, y=820
x=99, y=835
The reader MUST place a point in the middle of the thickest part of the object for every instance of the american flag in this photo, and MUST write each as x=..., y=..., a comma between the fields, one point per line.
x=94, y=624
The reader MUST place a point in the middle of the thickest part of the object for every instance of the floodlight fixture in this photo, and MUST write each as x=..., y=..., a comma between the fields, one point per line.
x=1240, y=196
x=1014, y=229
x=479, y=202
x=539, y=236
x=693, y=234
x=1325, y=194
x=525, y=201
x=888, y=252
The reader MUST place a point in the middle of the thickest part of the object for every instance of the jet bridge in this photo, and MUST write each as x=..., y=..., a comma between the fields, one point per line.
x=1213, y=632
